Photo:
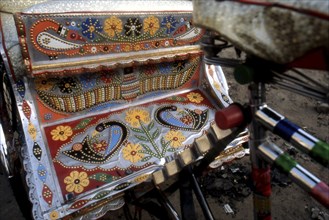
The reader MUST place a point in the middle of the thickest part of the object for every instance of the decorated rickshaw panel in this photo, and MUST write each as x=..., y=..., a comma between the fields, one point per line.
x=59, y=40
x=99, y=149
x=65, y=97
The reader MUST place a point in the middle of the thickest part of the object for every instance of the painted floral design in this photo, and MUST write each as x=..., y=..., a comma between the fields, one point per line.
x=47, y=194
x=32, y=131
x=100, y=146
x=37, y=151
x=137, y=47
x=93, y=49
x=169, y=23
x=54, y=215
x=147, y=133
x=90, y=27
x=67, y=85
x=127, y=48
x=61, y=133
x=176, y=138
x=44, y=84
x=132, y=152
x=135, y=116
x=151, y=25
x=187, y=119
x=76, y=181
x=77, y=147
x=195, y=97
x=133, y=27
x=113, y=26
x=179, y=65
x=48, y=116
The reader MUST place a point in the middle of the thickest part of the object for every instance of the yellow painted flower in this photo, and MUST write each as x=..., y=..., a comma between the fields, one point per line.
x=195, y=97
x=76, y=181
x=127, y=48
x=61, y=133
x=54, y=215
x=176, y=138
x=132, y=153
x=32, y=131
x=112, y=26
x=151, y=25
x=135, y=116
x=43, y=84
x=137, y=47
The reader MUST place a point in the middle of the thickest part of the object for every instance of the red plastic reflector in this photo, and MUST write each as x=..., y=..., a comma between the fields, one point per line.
x=229, y=117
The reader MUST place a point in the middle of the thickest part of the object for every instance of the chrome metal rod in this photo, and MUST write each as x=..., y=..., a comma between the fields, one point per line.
x=302, y=140
x=302, y=177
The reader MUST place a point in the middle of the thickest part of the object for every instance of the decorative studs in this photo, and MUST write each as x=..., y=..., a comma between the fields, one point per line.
x=37, y=151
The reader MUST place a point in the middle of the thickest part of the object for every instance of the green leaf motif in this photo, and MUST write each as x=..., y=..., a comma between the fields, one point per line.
x=164, y=146
x=137, y=130
x=101, y=194
x=146, y=158
x=171, y=149
x=146, y=148
x=83, y=123
x=156, y=134
x=102, y=177
x=163, y=143
x=142, y=138
x=150, y=126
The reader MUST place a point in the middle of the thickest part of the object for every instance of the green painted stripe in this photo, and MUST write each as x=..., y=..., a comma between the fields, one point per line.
x=285, y=162
x=320, y=152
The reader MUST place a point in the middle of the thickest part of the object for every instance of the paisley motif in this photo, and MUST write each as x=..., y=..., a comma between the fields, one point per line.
x=85, y=152
x=181, y=119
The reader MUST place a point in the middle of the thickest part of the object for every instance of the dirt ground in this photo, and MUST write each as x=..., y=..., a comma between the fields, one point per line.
x=289, y=202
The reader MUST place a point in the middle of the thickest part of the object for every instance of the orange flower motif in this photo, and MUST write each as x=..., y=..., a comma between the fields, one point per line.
x=195, y=97
x=135, y=116
x=76, y=181
x=176, y=138
x=61, y=133
x=112, y=26
x=151, y=25
x=54, y=215
x=132, y=153
x=127, y=48
x=100, y=146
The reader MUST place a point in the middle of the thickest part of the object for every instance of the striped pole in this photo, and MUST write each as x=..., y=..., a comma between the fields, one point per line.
x=261, y=172
x=307, y=143
x=306, y=180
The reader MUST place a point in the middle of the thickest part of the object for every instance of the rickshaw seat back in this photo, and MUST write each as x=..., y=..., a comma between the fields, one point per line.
x=113, y=94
